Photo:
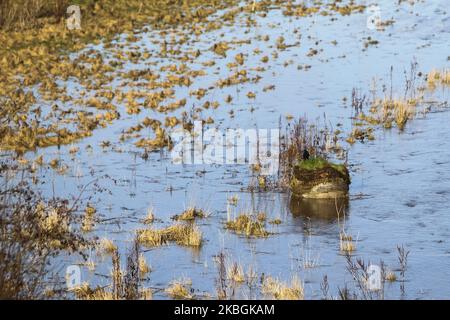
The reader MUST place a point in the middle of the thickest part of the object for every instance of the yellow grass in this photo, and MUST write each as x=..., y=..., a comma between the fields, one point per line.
x=90, y=264
x=147, y=294
x=262, y=216
x=180, y=289
x=150, y=216
x=144, y=268
x=282, y=291
x=248, y=225
x=399, y=111
x=190, y=214
x=235, y=273
x=346, y=242
x=107, y=246
x=84, y=292
x=403, y=112
x=183, y=234
x=436, y=77
x=391, y=276
x=276, y=221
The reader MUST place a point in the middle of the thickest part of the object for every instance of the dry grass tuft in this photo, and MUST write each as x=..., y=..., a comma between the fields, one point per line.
x=403, y=113
x=282, y=291
x=85, y=292
x=261, y=216
x=391, y=276
x=191, y=214
x=248, y=225
x=150, y=218
x=436, y=77
x=347, y=246
x=144, y=268
x=107, y=246
x=385, y=112
x=399, y=111
x=147, y=294
x=180, y=289
x=276, y=221
x=346, y=243
x=235, y=273
x=183, y=234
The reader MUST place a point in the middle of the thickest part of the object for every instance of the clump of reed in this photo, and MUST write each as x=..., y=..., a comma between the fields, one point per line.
x=150, y=217
x=249, y=225
x=385, y=112
x=282, y=291
x=180, y=289
x=85, y=292
x=144, y=268
x=392, y=109
x=346, y=243
x=107, y=246
x=436, y=77
x=276, y=221
x=188, y=235
x=391, y=276
x=235, y=272
x=403, y=112
x=191, y=214
x=398, y=111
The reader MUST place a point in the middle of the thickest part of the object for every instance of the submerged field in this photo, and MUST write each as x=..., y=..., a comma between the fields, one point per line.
x=89, y=116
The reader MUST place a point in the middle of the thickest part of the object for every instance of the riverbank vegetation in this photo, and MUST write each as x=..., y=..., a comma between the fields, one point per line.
x=33, y=232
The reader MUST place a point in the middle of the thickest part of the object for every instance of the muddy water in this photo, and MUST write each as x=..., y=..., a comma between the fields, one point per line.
x=399, y=192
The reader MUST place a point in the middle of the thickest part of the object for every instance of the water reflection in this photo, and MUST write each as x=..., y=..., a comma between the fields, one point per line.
x=323, y=210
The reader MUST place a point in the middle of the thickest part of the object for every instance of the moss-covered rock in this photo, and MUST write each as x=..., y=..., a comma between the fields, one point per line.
x=319, y=179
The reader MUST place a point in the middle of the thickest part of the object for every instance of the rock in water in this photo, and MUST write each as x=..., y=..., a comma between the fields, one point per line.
x=322, y=180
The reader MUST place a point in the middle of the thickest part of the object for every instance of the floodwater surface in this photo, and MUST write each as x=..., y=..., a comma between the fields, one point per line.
x=399, y=194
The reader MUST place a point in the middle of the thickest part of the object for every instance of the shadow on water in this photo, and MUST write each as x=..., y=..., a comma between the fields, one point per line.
x=319, y=210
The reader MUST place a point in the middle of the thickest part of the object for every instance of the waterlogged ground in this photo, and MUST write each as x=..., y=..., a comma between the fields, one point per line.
x=399, y=193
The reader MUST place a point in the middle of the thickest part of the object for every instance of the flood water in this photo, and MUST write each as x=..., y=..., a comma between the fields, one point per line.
x=400, y=181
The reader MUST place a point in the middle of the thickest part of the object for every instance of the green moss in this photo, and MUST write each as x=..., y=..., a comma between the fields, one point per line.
x=320, y=163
